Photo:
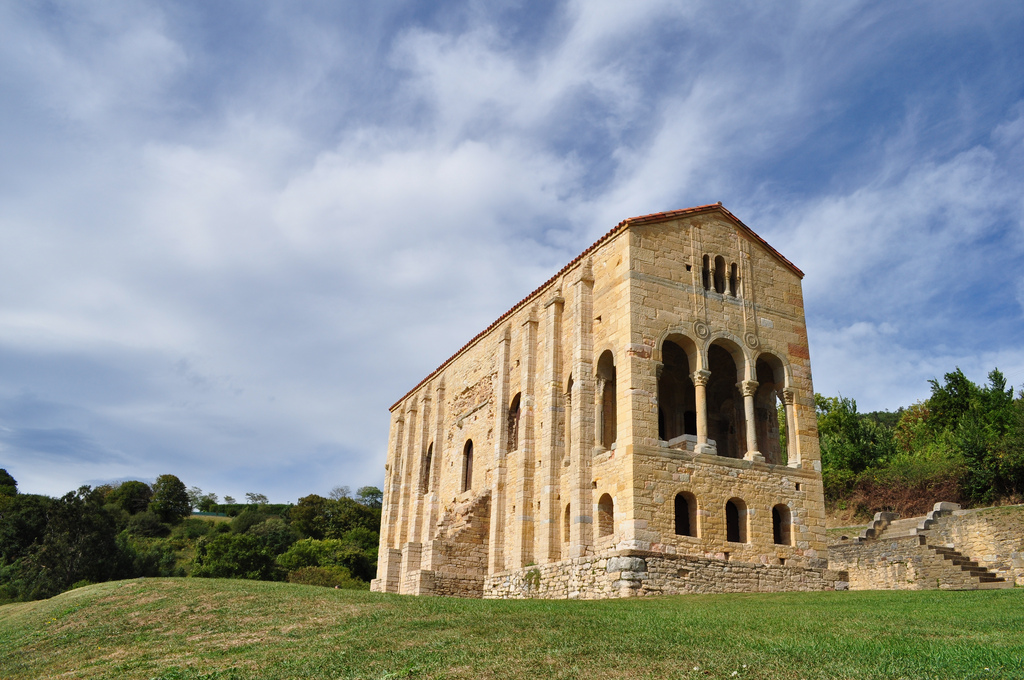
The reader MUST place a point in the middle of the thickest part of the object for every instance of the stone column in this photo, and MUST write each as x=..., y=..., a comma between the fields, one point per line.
x=581, y=528
x=792, y=455
x=496, y=551
x=599, y=412
x=522, y=548
x=392, y=484
x=700, y=392
x=749, y=388
x=549, y=545
x=408, y=451
x=418, y=493
x=433, y=492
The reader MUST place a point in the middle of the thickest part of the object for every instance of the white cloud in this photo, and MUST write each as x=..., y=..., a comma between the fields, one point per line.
x=229, y=254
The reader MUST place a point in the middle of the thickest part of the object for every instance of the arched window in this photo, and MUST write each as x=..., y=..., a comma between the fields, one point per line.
x=726, y=415
x=605, y=516
x=565, y=524
x=467, y=466
x=606, y=382
x=734, y=279
x=425, y=472
x=686, y=514
x=513, y=424
x=677, y=403
x=705, y=273
x=782, y=525
x=735, y=521
x=720, y=274
x=769, y=410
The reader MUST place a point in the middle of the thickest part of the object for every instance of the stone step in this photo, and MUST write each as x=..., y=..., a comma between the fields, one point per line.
x=985, y=577
x=902, y=527
x=999, y=585
x=991, y=579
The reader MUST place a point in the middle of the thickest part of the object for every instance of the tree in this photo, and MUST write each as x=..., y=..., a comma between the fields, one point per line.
x=170, y=499
x=208, y=502
x=370, y=496
x=195, y=494
x=23, y=524
x=310, y=515
x=340, y=492
x=133, y=497
x=230, y=500
x=203, y=502
x=79, y=543
x=319, y=517
x=8, y=485
x=256, y=498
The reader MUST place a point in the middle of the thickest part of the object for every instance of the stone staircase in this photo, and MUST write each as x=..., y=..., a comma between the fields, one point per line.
x=896, y=552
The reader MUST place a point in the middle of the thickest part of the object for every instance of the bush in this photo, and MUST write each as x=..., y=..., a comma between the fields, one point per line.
x=247, y=519
x=309, y=552
x=331, y=577
x=150, y=556
x=275, y=534
x=147, y=524
x=195, y=528
x=234, y=556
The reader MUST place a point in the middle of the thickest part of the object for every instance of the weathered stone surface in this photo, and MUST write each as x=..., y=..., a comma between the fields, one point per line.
x=548, y=456
x=913, y=553
x=627, y=564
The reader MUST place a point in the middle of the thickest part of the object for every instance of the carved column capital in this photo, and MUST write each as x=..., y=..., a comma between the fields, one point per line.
x=659, y=368
x=788, y=396
x=748, y=387
x=700, y=378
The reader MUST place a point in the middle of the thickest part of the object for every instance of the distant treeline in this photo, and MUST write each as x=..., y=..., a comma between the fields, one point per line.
x=965, y=444
x=49, y=545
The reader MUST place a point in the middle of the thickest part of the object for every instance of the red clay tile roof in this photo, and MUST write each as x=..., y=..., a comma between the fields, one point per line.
x=642, y=219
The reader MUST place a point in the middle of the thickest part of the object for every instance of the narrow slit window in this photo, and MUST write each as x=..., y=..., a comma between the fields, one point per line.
x=467, y=466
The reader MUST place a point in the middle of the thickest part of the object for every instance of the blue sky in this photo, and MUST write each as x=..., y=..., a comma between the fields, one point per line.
x=234, y=233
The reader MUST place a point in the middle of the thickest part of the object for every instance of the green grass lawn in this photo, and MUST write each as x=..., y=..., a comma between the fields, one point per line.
x=199, y=628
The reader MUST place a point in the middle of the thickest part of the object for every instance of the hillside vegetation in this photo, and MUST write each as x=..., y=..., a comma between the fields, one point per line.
x=132, y=529
x=192, y=629
x=964, y=444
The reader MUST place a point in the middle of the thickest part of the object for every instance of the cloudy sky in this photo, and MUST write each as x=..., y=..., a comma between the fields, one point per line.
x=232, y=234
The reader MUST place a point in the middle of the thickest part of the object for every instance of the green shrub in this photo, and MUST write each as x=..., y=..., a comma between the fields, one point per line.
x=234, y=556
x=331, y=577
x=309, y=552
x=247, y=519
x=147, y=524
x=194, y=528
x=275, y=534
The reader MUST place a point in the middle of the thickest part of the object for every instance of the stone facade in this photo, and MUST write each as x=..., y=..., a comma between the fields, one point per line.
x=619, y=431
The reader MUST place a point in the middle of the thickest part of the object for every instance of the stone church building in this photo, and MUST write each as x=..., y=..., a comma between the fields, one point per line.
x=641, y=423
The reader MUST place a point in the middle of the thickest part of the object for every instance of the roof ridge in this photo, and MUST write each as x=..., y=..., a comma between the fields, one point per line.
x=641, y=219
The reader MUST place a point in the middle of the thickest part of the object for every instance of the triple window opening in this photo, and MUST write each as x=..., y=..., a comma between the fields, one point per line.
x=718, y=276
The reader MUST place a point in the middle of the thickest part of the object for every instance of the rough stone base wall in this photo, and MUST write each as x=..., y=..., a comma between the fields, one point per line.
x=638, y=575
x=903, y=563
x=992, y=537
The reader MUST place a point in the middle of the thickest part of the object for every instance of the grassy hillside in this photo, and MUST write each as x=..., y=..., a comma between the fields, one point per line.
x=199, y=628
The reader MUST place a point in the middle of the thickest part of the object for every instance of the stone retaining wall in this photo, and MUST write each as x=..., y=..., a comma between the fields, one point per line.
x=992, y=537
x=638, y=575
x=903, y=563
